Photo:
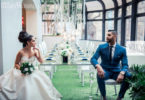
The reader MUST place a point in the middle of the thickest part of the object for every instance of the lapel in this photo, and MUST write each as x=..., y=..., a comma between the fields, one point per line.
x=107, y=50
x=116, y=51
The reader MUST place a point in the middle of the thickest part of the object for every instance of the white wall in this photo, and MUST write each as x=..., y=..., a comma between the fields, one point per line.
x=39, y=20
x=31, y=22
x=11, y=21
x=34, y=18
x=11, y=26
x=1, y=54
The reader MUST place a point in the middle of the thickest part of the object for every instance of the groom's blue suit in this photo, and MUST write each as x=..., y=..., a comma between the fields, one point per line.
x=112, y=67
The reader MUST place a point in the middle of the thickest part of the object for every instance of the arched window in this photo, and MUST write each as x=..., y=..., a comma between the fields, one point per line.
x=140, y=28
x=108, y=4
x=94, y=20
x=141, y=7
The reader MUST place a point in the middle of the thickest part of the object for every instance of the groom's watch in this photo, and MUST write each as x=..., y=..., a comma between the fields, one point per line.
x=96, y=66
x=122, y=73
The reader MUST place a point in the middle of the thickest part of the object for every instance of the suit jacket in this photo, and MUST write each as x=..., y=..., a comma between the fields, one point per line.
x=114, y=65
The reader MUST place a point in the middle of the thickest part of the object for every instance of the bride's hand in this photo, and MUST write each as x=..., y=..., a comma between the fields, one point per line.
x=38, y=55
x=34, y=48
x=36, y=51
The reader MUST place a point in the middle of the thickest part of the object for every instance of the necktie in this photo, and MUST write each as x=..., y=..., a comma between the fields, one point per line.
x=110, y=52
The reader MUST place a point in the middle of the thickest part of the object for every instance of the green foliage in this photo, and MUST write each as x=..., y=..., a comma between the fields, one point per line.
x=64, y=53
x=137, y=83
x=58, y=34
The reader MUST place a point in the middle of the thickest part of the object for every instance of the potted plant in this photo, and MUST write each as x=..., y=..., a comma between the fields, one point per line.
x=137, y=82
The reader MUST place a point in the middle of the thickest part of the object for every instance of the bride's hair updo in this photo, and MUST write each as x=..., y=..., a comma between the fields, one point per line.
x=24, y=37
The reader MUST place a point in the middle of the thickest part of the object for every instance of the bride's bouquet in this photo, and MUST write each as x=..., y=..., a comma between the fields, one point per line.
x=27, y=68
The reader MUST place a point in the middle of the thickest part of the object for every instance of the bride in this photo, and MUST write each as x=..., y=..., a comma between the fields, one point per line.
x=35, y=86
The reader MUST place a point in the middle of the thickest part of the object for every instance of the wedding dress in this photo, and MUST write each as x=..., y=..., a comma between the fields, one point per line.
x=36, y=86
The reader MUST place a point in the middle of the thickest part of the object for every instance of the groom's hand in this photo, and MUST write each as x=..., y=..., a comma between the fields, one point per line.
x=100, y=71
x=120, y=77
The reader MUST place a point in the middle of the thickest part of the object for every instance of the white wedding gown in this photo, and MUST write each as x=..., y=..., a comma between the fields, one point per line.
x=36, y=86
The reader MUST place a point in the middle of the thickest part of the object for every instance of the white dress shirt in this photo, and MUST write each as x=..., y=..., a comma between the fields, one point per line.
x=113, y=49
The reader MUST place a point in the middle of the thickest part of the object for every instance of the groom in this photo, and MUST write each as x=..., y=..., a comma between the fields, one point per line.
x=111, y=54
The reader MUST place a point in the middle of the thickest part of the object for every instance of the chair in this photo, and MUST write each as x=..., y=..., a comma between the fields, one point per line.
x=44, y=47
x=110, y=82
x=47, y=68
x=84, y=69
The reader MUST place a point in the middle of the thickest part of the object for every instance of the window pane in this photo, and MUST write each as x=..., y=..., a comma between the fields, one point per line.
x=120, y=12
x=129, y=9
x=141, y=7
x=128, y=29
x=110, y=14
x=94, y=30
x=109, y=26
x=45, y=29
x=119, y=2
x=119, y=32
x=93, y=5
x=96, y=15
x=128, y=1
x=140, y=28
x=108, y=4
x=48, y=16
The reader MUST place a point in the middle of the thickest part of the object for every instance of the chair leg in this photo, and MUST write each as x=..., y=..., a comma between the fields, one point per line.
x=101, y=97
x=79, y=74
x=54, y=67
x=97, y=90
x=82, y=78
x=51, y=75
x=115, y=89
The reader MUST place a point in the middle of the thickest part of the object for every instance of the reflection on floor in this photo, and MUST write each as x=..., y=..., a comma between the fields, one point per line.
x=67, y=82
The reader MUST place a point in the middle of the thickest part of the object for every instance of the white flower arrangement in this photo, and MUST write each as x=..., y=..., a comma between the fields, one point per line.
x=65, y=49
x=27, y=68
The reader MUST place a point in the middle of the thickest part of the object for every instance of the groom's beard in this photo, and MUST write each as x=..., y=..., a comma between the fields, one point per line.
x=110, y=41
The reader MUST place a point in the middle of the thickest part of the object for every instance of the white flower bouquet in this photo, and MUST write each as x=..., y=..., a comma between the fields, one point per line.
x=27, y=68
x=67, y=51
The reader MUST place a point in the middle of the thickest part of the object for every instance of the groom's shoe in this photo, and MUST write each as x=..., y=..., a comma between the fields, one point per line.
x=119, y=98
x=104, y=98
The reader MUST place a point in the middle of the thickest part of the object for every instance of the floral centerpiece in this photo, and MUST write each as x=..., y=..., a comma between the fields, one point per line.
x=65, y=51
x=27, y=68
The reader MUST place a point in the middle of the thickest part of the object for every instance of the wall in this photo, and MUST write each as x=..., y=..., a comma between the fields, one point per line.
x=39, y=20
x=1, y=54
x=31, y=22
x=11, y=26
x=11, y=21
x=34, y=18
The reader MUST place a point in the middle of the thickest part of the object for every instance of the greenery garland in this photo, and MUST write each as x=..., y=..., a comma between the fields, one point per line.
x=27, y=68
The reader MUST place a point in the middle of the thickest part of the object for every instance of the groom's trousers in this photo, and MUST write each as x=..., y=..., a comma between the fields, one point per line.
x=113, y=75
